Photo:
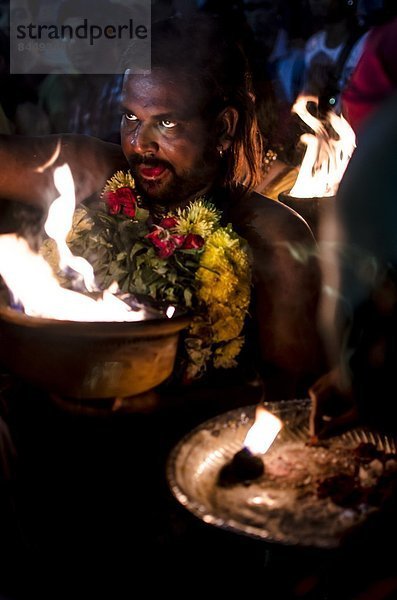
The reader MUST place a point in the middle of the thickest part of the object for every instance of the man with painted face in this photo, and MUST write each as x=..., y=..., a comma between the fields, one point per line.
x=189, y=129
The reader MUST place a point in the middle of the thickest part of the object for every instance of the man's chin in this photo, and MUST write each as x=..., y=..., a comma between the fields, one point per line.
x=169, y=191
x=155, y=190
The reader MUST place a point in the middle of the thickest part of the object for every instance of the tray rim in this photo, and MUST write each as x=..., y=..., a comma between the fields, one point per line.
x=200, y=511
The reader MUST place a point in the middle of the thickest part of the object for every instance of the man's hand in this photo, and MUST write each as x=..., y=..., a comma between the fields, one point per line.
x=333, y=405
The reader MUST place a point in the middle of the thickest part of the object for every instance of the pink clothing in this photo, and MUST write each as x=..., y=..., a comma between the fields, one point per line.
x=375, y=77
x=327, y=69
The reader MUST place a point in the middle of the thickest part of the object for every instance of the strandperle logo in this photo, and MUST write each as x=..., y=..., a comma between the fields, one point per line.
x=79, y=36
x=84, y=31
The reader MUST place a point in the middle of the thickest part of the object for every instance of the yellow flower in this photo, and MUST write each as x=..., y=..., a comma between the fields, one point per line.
x=224, y=268
x=215, y=286
x=120, y=179
x=224, y=278
x=227, y=327
x=225, y=355
x=224, y=238
x=227, y=322
x=199, y=218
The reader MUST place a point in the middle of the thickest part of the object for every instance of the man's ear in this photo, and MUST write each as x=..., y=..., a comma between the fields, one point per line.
x=227, y=123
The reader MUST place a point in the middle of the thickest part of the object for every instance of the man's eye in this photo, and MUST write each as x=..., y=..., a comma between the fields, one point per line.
x=168, y=124
x=130, y=116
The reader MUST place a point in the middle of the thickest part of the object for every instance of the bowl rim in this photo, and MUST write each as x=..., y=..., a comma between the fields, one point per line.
x=159, y=326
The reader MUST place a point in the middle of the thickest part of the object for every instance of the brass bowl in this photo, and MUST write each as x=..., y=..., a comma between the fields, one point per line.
x=90, y=360
x=312, y=210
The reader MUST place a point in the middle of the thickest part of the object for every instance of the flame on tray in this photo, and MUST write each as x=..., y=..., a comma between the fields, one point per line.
x=263, y=432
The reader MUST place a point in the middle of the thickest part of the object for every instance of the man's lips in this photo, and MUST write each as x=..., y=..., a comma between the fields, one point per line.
x=152, y=172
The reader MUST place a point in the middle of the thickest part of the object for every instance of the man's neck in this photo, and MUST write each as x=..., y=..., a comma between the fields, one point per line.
x=159, y=209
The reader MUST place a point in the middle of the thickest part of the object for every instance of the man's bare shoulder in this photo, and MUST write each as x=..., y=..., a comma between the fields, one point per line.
x=271, y=219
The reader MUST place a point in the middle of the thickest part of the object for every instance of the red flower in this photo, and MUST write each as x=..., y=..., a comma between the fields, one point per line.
x=179, y=240
x=122, y=200
x=193, y=242
x=164, y=242
x=113, y=203
x=167, y=249
x=128, y=200
x=168, y=222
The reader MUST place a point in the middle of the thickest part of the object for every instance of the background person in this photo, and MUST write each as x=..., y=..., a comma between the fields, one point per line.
x=332, y=52
x=375, y=77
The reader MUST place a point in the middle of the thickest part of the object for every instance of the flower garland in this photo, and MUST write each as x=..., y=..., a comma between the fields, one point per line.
x=187, y=259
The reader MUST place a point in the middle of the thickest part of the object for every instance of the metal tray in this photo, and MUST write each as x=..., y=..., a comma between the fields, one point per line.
x=264, y=510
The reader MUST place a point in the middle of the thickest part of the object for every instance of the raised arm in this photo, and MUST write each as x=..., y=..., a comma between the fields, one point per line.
x=25, y=178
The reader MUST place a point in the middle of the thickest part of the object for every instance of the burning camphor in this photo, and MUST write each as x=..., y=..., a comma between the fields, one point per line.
x=247, y=464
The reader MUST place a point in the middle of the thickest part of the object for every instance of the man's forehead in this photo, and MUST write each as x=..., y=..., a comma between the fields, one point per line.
x=162, y=92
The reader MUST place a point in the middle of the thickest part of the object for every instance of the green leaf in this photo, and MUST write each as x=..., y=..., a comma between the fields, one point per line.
x=187, y=295
x=137, y=247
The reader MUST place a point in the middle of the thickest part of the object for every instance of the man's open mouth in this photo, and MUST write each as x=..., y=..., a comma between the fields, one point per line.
x=148, y=172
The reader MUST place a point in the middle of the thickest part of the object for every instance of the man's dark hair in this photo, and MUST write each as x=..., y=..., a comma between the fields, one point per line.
x=214, y=64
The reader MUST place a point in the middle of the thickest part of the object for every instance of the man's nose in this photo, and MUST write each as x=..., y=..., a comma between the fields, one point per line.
x=143, y=139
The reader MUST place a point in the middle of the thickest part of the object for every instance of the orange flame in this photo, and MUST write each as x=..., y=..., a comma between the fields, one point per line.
x=326, y=158
x=263, y=432
x=32, y=282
